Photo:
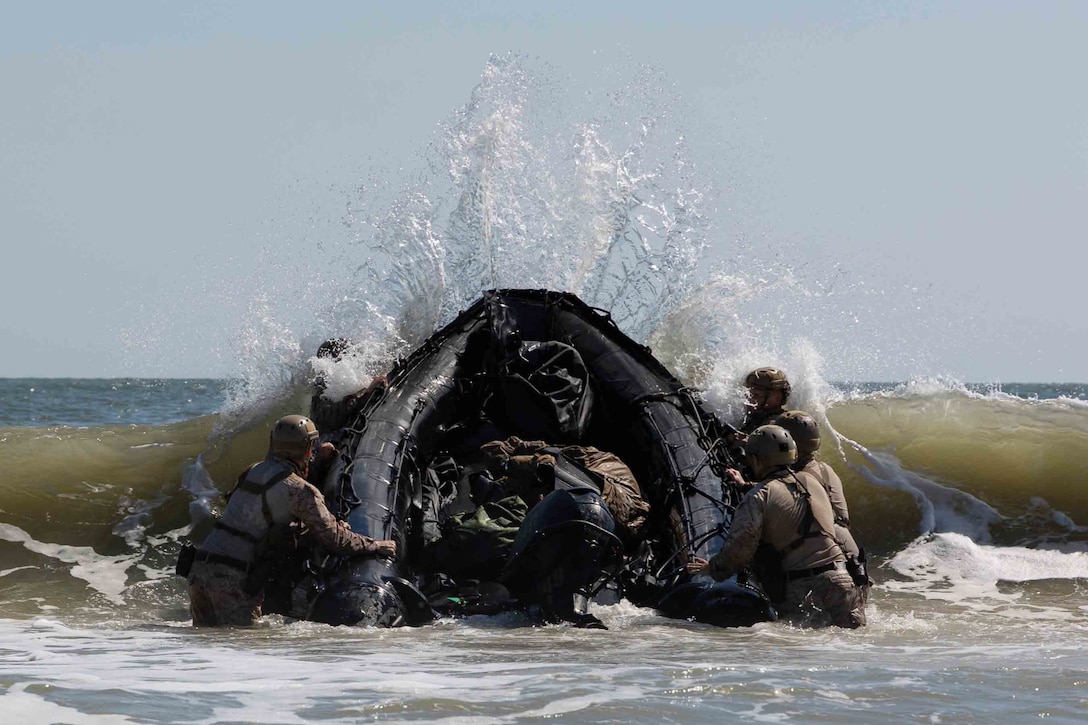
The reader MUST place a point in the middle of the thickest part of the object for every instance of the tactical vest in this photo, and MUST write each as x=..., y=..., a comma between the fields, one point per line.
x=257, y=511
x=812, y=542
x=822, y=472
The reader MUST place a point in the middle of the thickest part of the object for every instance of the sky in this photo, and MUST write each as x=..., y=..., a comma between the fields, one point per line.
x=151, y=153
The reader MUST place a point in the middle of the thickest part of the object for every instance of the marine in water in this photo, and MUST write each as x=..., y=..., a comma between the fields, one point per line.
x=790, y=511
x=330, y=416
x=622, y=479
x=229, y=572
x=806, y=434
x=767, y=390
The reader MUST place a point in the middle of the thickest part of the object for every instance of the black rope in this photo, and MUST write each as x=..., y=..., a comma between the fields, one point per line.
x=693, y=545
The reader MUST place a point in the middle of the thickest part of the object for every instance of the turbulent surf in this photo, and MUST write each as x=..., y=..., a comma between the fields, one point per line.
x=521, y=366
x=968, y=498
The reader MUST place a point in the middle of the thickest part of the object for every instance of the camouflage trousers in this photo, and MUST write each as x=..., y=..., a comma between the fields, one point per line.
x=830, y=594
x=216, y=598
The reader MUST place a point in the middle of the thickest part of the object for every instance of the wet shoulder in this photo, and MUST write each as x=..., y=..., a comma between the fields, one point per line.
x=824, y=473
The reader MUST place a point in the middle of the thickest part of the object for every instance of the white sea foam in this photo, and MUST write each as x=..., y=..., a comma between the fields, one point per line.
x=954, y=557
x=20, y=706
x=645, y=668
x=944, y=386
x=1060, y=518
x=105, y=574
x=943, y=508
x=205, y=494
x=954, y=569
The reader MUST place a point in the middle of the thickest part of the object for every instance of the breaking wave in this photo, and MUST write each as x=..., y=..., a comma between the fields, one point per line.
x=599, y=197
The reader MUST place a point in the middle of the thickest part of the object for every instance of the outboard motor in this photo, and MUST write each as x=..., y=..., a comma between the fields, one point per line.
x=543, y=364
x=565, y=544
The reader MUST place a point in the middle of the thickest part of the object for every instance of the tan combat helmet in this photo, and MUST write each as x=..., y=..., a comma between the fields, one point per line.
x=804, y=430
x=768, y=379
x=772, y=445
x=291, y=436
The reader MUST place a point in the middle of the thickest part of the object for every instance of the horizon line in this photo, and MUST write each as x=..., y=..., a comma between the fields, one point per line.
x=834, y=382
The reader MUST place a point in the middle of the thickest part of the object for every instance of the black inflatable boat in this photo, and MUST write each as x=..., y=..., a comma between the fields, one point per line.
x=538, y=365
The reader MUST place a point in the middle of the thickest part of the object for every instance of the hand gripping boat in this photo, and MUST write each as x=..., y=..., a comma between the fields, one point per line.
x=538, y=365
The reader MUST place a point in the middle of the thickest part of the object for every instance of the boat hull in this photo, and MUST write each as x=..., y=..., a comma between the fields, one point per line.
x=441, y=401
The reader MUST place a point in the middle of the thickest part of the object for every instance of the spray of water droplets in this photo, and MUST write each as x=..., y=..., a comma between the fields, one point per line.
x=533, y=184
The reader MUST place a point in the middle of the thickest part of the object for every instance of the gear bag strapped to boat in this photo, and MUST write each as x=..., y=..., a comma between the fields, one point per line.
x=544, y=391
x=477, y=543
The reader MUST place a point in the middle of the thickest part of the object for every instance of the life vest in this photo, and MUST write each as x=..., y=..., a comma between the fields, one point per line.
x=855, y=559
x=843, y=535
x=257, y=512
x=816, y=529
x=822, y=472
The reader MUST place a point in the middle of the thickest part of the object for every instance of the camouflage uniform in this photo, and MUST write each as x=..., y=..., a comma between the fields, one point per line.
x=832, y=484
x=619, y=489
x=791, y=513
x=831, y=592
x=270, y=495
x=754, y=418
x=332, y=416
x=216, y=598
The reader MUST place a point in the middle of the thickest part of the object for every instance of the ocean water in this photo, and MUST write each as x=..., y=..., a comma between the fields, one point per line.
x=980, y=613
x=969, y=497
x=77, y=403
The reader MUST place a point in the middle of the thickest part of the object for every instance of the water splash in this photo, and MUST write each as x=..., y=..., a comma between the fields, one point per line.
x=532, y=184
x=523, y=188
x=532, y=196
x=954, y=568
x=944, y=508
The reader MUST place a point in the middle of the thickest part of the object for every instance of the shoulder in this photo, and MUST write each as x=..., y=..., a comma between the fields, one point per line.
x=757, y=495
x=807, y=475
x=781, y=486
x=297, y=481
x=299, y=488
x=265, y=470
x=823, y=472
x=248, y=471
x=265, y=464
x=781, y=477
x=812, y=481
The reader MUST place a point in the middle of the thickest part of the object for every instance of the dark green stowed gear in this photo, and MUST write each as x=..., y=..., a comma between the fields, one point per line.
x=477, y=543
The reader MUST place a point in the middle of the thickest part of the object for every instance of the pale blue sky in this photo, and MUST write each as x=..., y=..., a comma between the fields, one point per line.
x=149, y=151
